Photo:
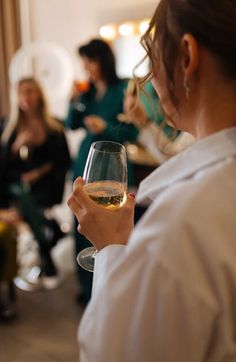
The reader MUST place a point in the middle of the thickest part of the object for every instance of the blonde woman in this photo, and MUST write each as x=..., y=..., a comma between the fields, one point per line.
x=34, y=162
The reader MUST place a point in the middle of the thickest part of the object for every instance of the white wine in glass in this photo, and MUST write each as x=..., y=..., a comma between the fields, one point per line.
x=109, y=194
x=105, y=181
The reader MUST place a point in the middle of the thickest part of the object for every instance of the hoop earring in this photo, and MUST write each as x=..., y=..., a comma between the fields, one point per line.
x=186, y=88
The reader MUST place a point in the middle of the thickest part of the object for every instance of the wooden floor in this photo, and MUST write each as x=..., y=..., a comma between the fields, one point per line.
x=46, y=328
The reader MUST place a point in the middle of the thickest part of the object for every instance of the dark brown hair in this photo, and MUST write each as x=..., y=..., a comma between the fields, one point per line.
x=101, y=52
x=211, y=22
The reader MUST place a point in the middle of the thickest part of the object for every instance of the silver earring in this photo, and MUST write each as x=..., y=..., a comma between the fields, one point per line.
x=186, y=88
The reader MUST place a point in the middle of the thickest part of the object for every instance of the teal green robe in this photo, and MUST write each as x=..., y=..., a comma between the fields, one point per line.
x=108, y=107
x=151, y=103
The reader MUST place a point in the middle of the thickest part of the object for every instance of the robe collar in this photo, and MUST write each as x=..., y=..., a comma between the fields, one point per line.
x=202, y=154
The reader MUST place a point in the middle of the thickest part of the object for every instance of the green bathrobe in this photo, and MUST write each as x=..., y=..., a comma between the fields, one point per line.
x=108, y=107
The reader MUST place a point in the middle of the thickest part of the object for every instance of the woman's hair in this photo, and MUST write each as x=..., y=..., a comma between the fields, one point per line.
x=17, y=115
x=101, y=52
x=211, y=22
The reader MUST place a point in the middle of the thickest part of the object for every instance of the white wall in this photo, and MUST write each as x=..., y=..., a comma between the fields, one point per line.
x=69, y=23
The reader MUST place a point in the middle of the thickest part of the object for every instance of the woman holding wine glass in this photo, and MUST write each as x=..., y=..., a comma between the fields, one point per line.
x=96, y=110
x=34, y=161
x=105, y=181
x=165, y=290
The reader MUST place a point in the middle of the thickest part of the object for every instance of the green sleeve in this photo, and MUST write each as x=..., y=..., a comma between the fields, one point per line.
x=74, y=118
x=121, y=132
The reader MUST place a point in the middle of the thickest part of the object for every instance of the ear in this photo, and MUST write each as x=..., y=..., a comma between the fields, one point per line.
x=190, y=55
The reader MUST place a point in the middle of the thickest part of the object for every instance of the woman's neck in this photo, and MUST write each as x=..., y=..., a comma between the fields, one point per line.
x=31, y=115
x=101, y=87
x=211, y=105
x=32, y=120
x=219, y=113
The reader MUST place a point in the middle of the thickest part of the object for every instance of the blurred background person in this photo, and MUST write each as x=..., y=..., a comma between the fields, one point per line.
x=96, y=111
x=34, y=160
x=161, y=140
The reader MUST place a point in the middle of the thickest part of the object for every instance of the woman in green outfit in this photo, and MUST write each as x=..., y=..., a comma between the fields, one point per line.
x=161, y=140
x=96, y=110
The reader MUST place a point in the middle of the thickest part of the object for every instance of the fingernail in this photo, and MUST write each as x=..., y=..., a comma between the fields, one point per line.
x=132, y=195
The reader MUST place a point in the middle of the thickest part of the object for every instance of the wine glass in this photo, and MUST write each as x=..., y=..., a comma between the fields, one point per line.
x=105, y=181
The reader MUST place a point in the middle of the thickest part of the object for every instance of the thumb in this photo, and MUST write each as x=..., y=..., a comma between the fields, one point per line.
x=79, y=182
x=79, y=192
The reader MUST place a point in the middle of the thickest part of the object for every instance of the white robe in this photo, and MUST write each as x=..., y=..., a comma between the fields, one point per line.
x=170, y=294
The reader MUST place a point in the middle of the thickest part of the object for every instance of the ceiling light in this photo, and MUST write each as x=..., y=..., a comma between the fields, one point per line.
x=143, y=26
x=126, y=29
x=107, y=32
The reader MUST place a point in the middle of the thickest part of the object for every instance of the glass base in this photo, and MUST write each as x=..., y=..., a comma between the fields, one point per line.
x=86, y=258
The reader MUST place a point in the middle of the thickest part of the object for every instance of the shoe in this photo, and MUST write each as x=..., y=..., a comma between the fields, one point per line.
x=23, y=284
x=7, y=314
x=36, y=280
x=29, y=282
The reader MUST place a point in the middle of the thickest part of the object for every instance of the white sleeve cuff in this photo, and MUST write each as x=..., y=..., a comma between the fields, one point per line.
x=104, y=261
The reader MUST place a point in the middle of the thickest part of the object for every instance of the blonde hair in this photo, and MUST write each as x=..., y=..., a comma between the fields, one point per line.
x=17, y=115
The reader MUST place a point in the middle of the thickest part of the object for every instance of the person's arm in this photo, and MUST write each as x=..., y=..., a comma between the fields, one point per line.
x=116, y=130
x=59, y=157
x=147, y=304
x=140, y=311
x=154, y=139
x=76, y=113
x=121, y=132
x=9, y=216
x=34, y=175
x=104, y=123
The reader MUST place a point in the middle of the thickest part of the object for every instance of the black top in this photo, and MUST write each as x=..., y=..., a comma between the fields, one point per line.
x=48, y=190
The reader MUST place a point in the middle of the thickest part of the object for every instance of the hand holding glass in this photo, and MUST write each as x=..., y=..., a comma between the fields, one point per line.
x=105, y=181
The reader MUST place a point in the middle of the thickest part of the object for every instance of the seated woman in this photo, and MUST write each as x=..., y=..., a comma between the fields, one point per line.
x=34, y=161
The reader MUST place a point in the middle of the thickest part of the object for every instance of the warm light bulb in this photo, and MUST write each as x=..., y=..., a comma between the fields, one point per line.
x=126, y=29
x=143, y=26
x=107, y=32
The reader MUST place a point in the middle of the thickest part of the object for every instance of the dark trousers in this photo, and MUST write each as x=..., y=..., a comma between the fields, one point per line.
x=85, y=278
x=46, y=232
